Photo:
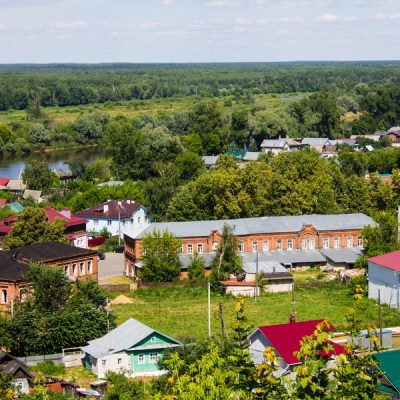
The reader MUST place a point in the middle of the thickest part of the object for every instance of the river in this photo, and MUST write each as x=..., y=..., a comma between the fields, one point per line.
x=57, y=160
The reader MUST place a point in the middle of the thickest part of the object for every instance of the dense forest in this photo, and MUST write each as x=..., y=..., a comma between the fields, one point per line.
x=63, y=85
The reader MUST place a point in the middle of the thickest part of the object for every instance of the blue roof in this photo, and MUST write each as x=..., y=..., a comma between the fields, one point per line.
x=16, y=207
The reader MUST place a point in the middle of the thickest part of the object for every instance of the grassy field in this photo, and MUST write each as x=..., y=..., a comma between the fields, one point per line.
x=182, y=311
x=134, y=108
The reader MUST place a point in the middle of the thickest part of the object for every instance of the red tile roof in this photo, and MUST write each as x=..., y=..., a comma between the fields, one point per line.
x=65, y=214
x=389, y=260
x=4, y=181
x=114, y=211
x=3, y=202
x=286, y=338
x=6, y=224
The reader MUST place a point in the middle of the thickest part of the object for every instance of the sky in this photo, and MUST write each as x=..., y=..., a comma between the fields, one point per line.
x=139, y=31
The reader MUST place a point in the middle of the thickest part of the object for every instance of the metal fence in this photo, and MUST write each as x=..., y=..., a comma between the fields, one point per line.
x=69, y=357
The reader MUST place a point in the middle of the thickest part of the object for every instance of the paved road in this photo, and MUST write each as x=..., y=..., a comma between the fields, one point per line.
x=113, y=265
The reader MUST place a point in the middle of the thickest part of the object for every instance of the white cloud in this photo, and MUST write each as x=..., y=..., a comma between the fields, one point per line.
x=70, y=25
x=283, y=20
x=242, y=21
x=327, y=18
x=224, y=3
x=387, y=16
x=2, y=27
x=149, y=25
x=167, y=2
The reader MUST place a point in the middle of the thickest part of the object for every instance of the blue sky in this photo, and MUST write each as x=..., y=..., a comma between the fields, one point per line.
x=42, y=31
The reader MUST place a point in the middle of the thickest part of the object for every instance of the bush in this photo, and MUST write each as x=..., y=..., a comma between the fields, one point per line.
x=49, y=368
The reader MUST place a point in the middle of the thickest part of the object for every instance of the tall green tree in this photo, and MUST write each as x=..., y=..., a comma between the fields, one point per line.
x=160, y=257
x=38, y=176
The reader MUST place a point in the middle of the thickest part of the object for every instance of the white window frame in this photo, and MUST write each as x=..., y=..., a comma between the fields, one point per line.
x=153, y=357
x=200, y=248
x=336, y=242
x=279, y=244
x=153, y=339
x=241, y=247
x=254, y=246
x=325, y=243
x=360, y=242
x=109, y=222
x=141, y=358
x=4, y=296
x=349, y=241
x=190, y=248
x=265, y=246
x=95, y=222
x=74, y=269
x=103, y=363
x=82, y=268
x=119, y=361
x=180, y=249
x=66, y=270
x=304, y=244
x=311, y=243
x=289, y=244
x=138, y=220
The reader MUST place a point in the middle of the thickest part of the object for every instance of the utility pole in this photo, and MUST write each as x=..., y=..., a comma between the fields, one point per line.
x=221, y=318
x=256, y=291
x=380, y=318
x=119, y=223
x=209, y=309
x=292, y=317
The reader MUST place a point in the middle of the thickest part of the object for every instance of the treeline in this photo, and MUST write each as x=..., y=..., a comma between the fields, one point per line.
x=65, y=85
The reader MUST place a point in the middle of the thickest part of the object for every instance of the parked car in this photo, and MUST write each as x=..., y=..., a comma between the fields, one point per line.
x=101, y=256
x=119, y=249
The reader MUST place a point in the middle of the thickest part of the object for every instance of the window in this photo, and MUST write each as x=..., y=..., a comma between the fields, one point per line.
x=279, y=244
x=138, y=220
x=304, y=244
x=103, y=363
x=109, y=222
x=89, y=267
x=215, y=246
x=290, y=244
x=22, y=295
x=124, y=222
x=180, y=249
x=82, y=268
x=349, y=241
x=74, y=271
x=200, y=248
x=153, y=357
x=255, y=246
x=119, y=361
x=241, y=247
x=312, y=243
x=95, y=222
x=325, y=244
x=66, y=269
x=132, y=220
x=265, y=245
x=3, y=296
x=153, y=339
x=190, y=248
x=360, y=242
x=141, y=358
x=336, y=242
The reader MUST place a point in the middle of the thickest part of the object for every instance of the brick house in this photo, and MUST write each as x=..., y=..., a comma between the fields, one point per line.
x=302, y=240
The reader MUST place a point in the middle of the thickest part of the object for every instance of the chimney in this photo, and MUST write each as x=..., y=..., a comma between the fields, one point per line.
x=274, y=269
x=66, y=212
x=105, y=208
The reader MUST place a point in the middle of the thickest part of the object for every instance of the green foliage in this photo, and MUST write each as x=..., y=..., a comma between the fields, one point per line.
x=32, y=227
x=160, y=257
x=38, y=176
x=49, y=368
x=196, y=267
x=124, y=388
x=39, y=134
x=110, y=244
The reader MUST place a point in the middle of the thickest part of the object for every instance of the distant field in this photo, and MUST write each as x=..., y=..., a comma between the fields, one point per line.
x=134, y=108
x=182, y=311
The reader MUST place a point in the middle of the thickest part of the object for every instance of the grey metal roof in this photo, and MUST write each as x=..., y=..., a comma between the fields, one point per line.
x=266, y=267
x=210, y=160
x=273, y=143
x=251, y=156
x=121, y=338
x=347, y=255
x=259, y=225
x=312, y=141
x=293, y=256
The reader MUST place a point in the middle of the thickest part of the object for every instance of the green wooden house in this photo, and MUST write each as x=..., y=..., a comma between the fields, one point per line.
x=132, y=348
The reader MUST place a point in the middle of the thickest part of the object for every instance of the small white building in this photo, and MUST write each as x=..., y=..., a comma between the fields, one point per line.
x=384, y=278
x=117, y=216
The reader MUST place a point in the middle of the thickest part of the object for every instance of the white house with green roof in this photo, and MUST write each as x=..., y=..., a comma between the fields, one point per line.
x=132, y=348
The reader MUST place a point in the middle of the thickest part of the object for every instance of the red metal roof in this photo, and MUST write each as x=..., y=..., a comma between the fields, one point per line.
x=389, y=260
x=70, y=219
x=286, y=338
x=3, y=202
x=4, y=181
x=114, y=209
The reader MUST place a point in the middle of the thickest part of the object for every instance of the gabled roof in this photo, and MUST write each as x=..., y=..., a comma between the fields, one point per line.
x=15, y=206
x=124, y=337
x=286, y=338
x=3, y=202
x=313, y=141
x=35, y=194
x=389, y=365
x=251, y=156
x=9, y=364
x=16, y=184
x=209, y=160
x=259, y=225
x=274, y=143
x=10, y=269
x=112, y=209
x=64, y=214
x=4, y=181
x=388, y=260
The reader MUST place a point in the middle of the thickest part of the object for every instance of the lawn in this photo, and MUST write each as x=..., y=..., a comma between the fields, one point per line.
x=181, y=312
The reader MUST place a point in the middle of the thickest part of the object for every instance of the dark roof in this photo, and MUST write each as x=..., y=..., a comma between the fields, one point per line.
x=11, y=270
x=9, y=364
x=112, y=209
x=48, y=252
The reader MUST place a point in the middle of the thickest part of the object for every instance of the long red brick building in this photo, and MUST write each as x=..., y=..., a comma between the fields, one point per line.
x=302, y=240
